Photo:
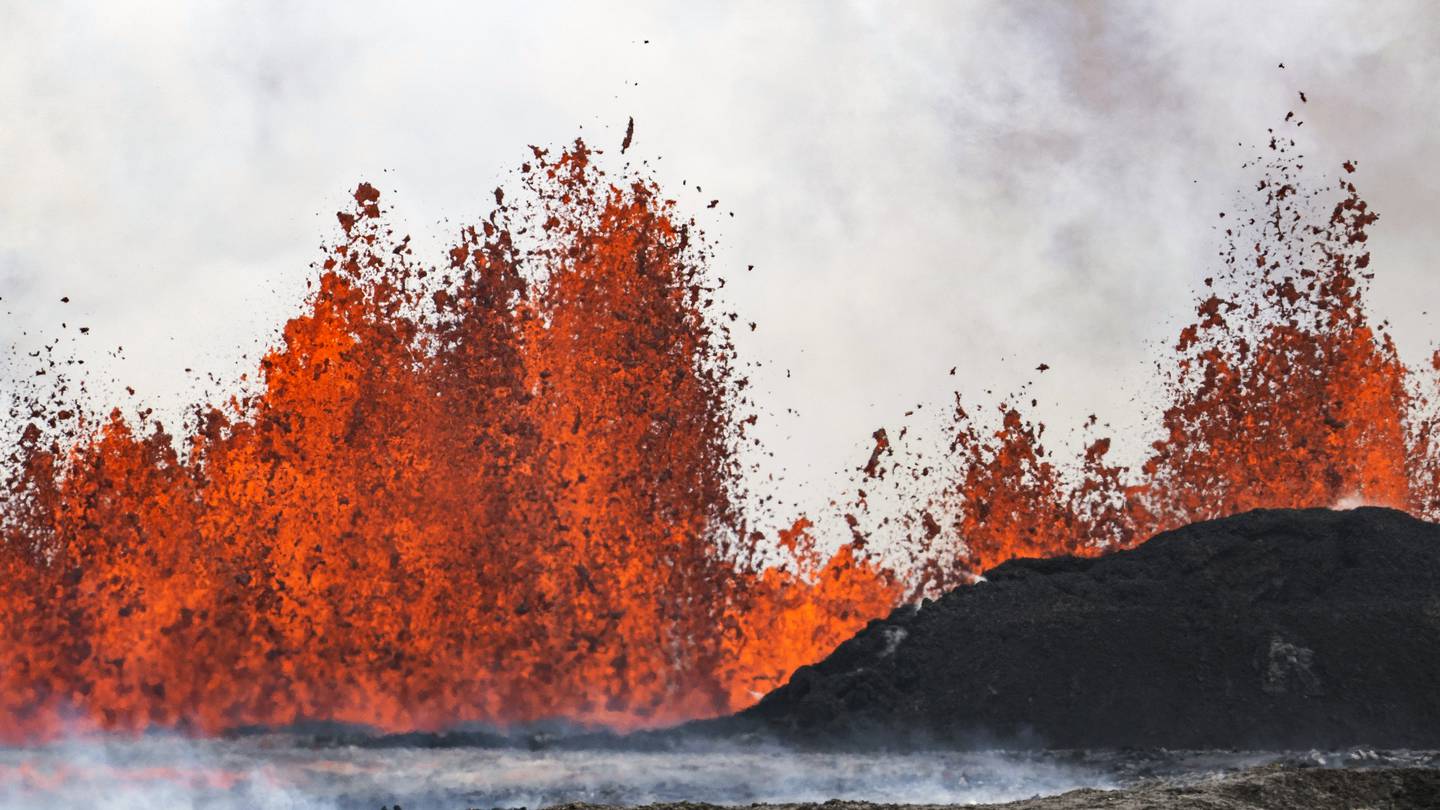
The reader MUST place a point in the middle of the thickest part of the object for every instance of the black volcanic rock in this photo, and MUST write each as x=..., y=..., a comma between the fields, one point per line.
x=1271, y=629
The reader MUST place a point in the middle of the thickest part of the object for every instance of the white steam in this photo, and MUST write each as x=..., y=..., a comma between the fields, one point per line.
x=275, y=773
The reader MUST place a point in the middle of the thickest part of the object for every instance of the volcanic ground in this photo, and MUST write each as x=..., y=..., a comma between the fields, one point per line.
x=1274, y=629
x=1279, y=787
x=1252, y=642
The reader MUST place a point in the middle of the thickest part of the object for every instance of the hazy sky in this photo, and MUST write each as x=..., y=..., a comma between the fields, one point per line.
x=919, y=185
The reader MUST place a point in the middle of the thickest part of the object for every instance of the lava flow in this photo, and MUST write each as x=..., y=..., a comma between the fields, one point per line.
x=507, y=488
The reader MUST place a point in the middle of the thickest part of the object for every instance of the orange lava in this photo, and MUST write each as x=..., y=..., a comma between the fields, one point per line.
x=506, y=488
x=1282, y=393
x=499, y=491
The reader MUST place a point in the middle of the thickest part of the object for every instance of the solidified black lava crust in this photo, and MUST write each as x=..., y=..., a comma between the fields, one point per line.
x=1273, y=629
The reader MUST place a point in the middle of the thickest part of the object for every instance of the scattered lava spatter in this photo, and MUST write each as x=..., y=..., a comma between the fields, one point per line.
x=506, y=488
x=1281, y=393
x=499, y=490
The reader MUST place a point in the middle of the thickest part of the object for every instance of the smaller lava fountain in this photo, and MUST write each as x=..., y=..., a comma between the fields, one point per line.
x=1280, y=394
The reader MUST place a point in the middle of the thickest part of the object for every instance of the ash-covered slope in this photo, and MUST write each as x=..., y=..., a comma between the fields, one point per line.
x=1271, y=629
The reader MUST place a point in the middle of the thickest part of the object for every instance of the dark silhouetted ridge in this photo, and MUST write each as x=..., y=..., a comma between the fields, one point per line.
x=1269, y=629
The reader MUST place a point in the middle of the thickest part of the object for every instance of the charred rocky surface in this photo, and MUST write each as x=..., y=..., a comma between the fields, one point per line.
x=1269, y=788
x=1274, y=629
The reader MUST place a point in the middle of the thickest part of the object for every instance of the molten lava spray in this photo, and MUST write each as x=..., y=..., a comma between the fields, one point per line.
x=1280, y=394
x=506, y=488
x=499, y=490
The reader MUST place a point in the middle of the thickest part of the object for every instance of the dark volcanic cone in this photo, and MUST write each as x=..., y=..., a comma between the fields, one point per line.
x=1270, y=629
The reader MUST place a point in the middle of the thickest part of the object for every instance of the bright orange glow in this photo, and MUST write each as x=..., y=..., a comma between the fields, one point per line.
x=507, y=488
x=1281, y=394
x=500, y=491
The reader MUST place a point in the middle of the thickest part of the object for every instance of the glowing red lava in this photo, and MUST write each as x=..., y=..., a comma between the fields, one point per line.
x=500, y=490
x=506, y=488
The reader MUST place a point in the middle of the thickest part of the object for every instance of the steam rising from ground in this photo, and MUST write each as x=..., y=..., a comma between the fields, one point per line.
x=270, y=773
x=293, y=772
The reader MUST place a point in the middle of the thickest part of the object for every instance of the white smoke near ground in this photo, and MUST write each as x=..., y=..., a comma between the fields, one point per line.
x=165, y=772
x=1355, y=500
x=276, y=773
x=289, y=772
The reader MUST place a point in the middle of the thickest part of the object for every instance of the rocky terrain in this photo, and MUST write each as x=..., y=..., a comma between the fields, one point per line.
x=1270, y=788
x=1274, y=629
